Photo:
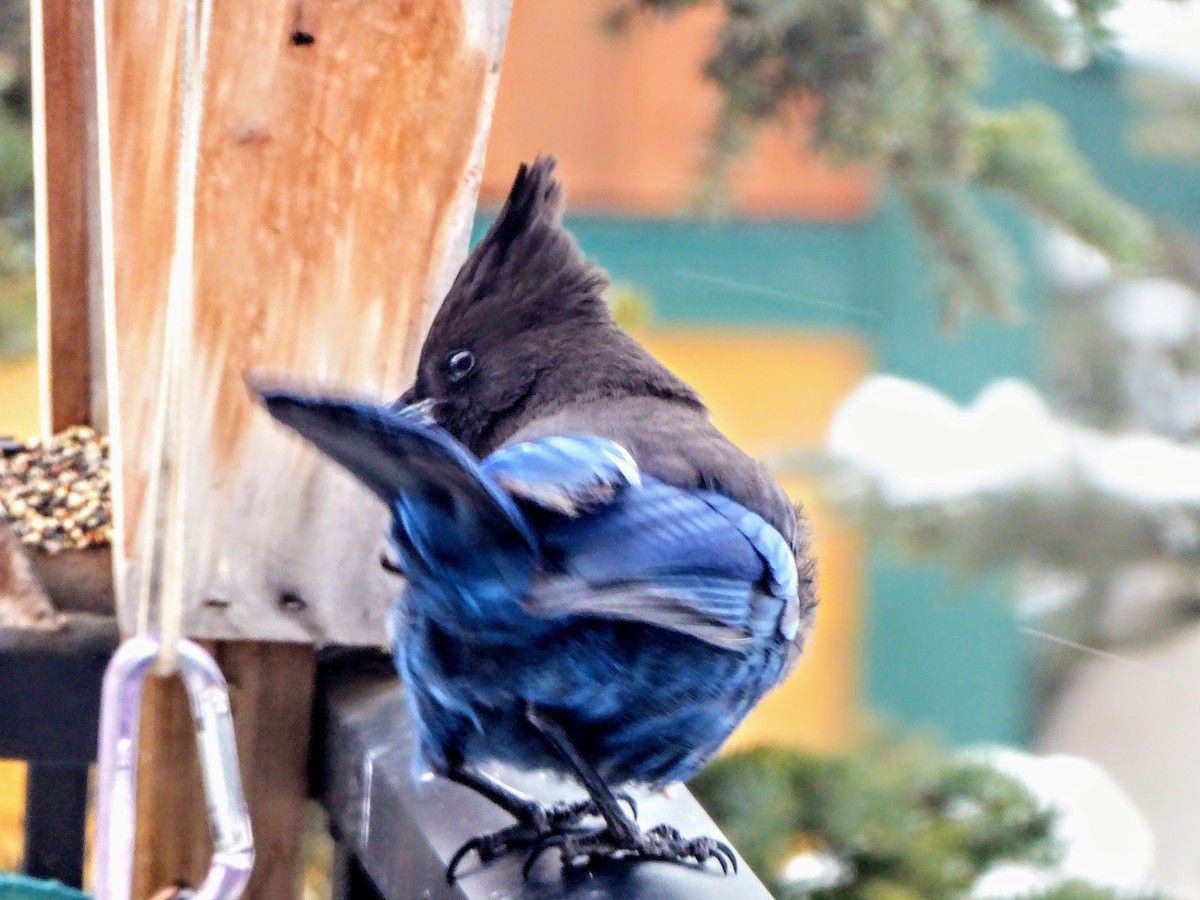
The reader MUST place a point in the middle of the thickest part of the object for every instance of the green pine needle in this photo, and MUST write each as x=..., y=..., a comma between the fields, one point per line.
x=904, y=818
x=1025, y=152
x=896, y=86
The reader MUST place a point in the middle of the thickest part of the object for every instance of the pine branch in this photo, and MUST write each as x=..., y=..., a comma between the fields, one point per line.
x=895, y=84
x=899, y=817
x=1064, y=39
x=974, y=264
x=1025, y=152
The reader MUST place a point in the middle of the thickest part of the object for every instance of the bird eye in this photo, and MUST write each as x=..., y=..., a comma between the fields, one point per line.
x=459, y=363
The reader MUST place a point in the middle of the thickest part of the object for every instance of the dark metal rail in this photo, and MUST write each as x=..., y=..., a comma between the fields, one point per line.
x=49, y=712
x=395, y=834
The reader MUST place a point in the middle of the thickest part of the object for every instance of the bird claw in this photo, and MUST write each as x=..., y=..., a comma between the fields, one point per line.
x=491, y=846
x=539, y=824
x=562, y=816
x=662, y=843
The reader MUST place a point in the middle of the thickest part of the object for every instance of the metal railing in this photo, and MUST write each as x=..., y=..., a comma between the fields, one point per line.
x=395, y=833
x=49, y=713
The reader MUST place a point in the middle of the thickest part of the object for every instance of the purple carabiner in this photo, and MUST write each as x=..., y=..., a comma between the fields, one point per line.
x=116, y=793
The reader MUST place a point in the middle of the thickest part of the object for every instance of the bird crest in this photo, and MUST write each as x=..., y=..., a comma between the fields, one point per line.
x=528, y=263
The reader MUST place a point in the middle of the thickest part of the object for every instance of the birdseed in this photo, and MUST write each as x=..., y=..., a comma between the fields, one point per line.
x=56, y=494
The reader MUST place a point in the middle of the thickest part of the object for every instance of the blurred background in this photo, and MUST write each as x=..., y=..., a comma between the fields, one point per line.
x=1005, y=501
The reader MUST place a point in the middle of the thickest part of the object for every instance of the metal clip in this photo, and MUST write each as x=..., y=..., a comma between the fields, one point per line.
x=120, y=712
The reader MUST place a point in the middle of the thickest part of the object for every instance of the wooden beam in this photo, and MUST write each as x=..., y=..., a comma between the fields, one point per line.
x=63, y=63
x=271, y=688
x=172, y=844
x=340, y=159
x=24, y=602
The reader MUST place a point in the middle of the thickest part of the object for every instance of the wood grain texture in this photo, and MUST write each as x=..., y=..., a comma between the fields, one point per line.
x=271, y=689
x=336, y=184
x=24, y=602
x=270, y=692
x=62, y=50
x=172, y=843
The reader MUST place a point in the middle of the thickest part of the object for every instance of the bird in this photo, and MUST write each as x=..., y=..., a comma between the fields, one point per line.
x=598, y=583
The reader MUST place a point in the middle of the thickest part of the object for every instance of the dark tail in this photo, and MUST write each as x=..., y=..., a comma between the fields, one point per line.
x=452, y=522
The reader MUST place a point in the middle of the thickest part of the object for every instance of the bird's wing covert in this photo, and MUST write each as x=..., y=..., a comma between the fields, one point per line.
x=570, y=475
x=691, y=561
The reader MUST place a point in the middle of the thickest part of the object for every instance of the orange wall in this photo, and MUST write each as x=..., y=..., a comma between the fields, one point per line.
x=773, y=393
x=628, y=119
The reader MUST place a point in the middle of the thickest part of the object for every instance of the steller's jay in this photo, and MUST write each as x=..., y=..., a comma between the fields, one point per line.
x=598, y=582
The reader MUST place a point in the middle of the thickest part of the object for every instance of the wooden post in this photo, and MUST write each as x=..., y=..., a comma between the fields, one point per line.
x=270, y=687
x=340, y=159
x=172, y=844
x=62, y=49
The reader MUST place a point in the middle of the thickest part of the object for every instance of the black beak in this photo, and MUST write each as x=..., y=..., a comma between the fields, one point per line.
x=408, y=398
x=412, y=397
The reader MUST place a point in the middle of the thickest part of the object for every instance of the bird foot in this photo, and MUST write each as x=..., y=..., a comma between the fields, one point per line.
x=662, y=843
x=536, y=825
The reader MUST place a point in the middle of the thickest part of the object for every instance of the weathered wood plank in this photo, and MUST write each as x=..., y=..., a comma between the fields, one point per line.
x=172, y=843
x=270, y=687
x=336, y=183
x=23, y=601
x=63, y=62
x=78, y=581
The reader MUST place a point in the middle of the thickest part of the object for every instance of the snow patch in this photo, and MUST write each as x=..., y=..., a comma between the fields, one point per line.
x=1164, y=35
x=919, y=447
x=1152, y=311
x=1106, y=839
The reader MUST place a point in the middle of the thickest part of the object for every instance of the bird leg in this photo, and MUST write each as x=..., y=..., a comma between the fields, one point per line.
x=621, y=837
x=534, y=821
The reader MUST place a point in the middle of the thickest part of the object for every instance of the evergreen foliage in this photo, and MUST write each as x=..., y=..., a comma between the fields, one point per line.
x=895, y=84
x=1103, y=567
x=1170, y=115
x=896, y=819
x=17, y=283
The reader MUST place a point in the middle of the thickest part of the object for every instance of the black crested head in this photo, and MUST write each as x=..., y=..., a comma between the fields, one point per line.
x=527, y=265
x=525, y=328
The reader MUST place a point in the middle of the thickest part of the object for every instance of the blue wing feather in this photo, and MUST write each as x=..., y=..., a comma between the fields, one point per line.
x=659, y=529
x=570, y=475
x=693, y=561
x=458, y=534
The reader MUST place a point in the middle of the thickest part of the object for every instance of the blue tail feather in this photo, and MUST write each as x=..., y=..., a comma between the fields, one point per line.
x=459, y=535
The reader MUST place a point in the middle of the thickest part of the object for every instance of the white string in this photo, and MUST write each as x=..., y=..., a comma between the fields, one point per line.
x=163, y=571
